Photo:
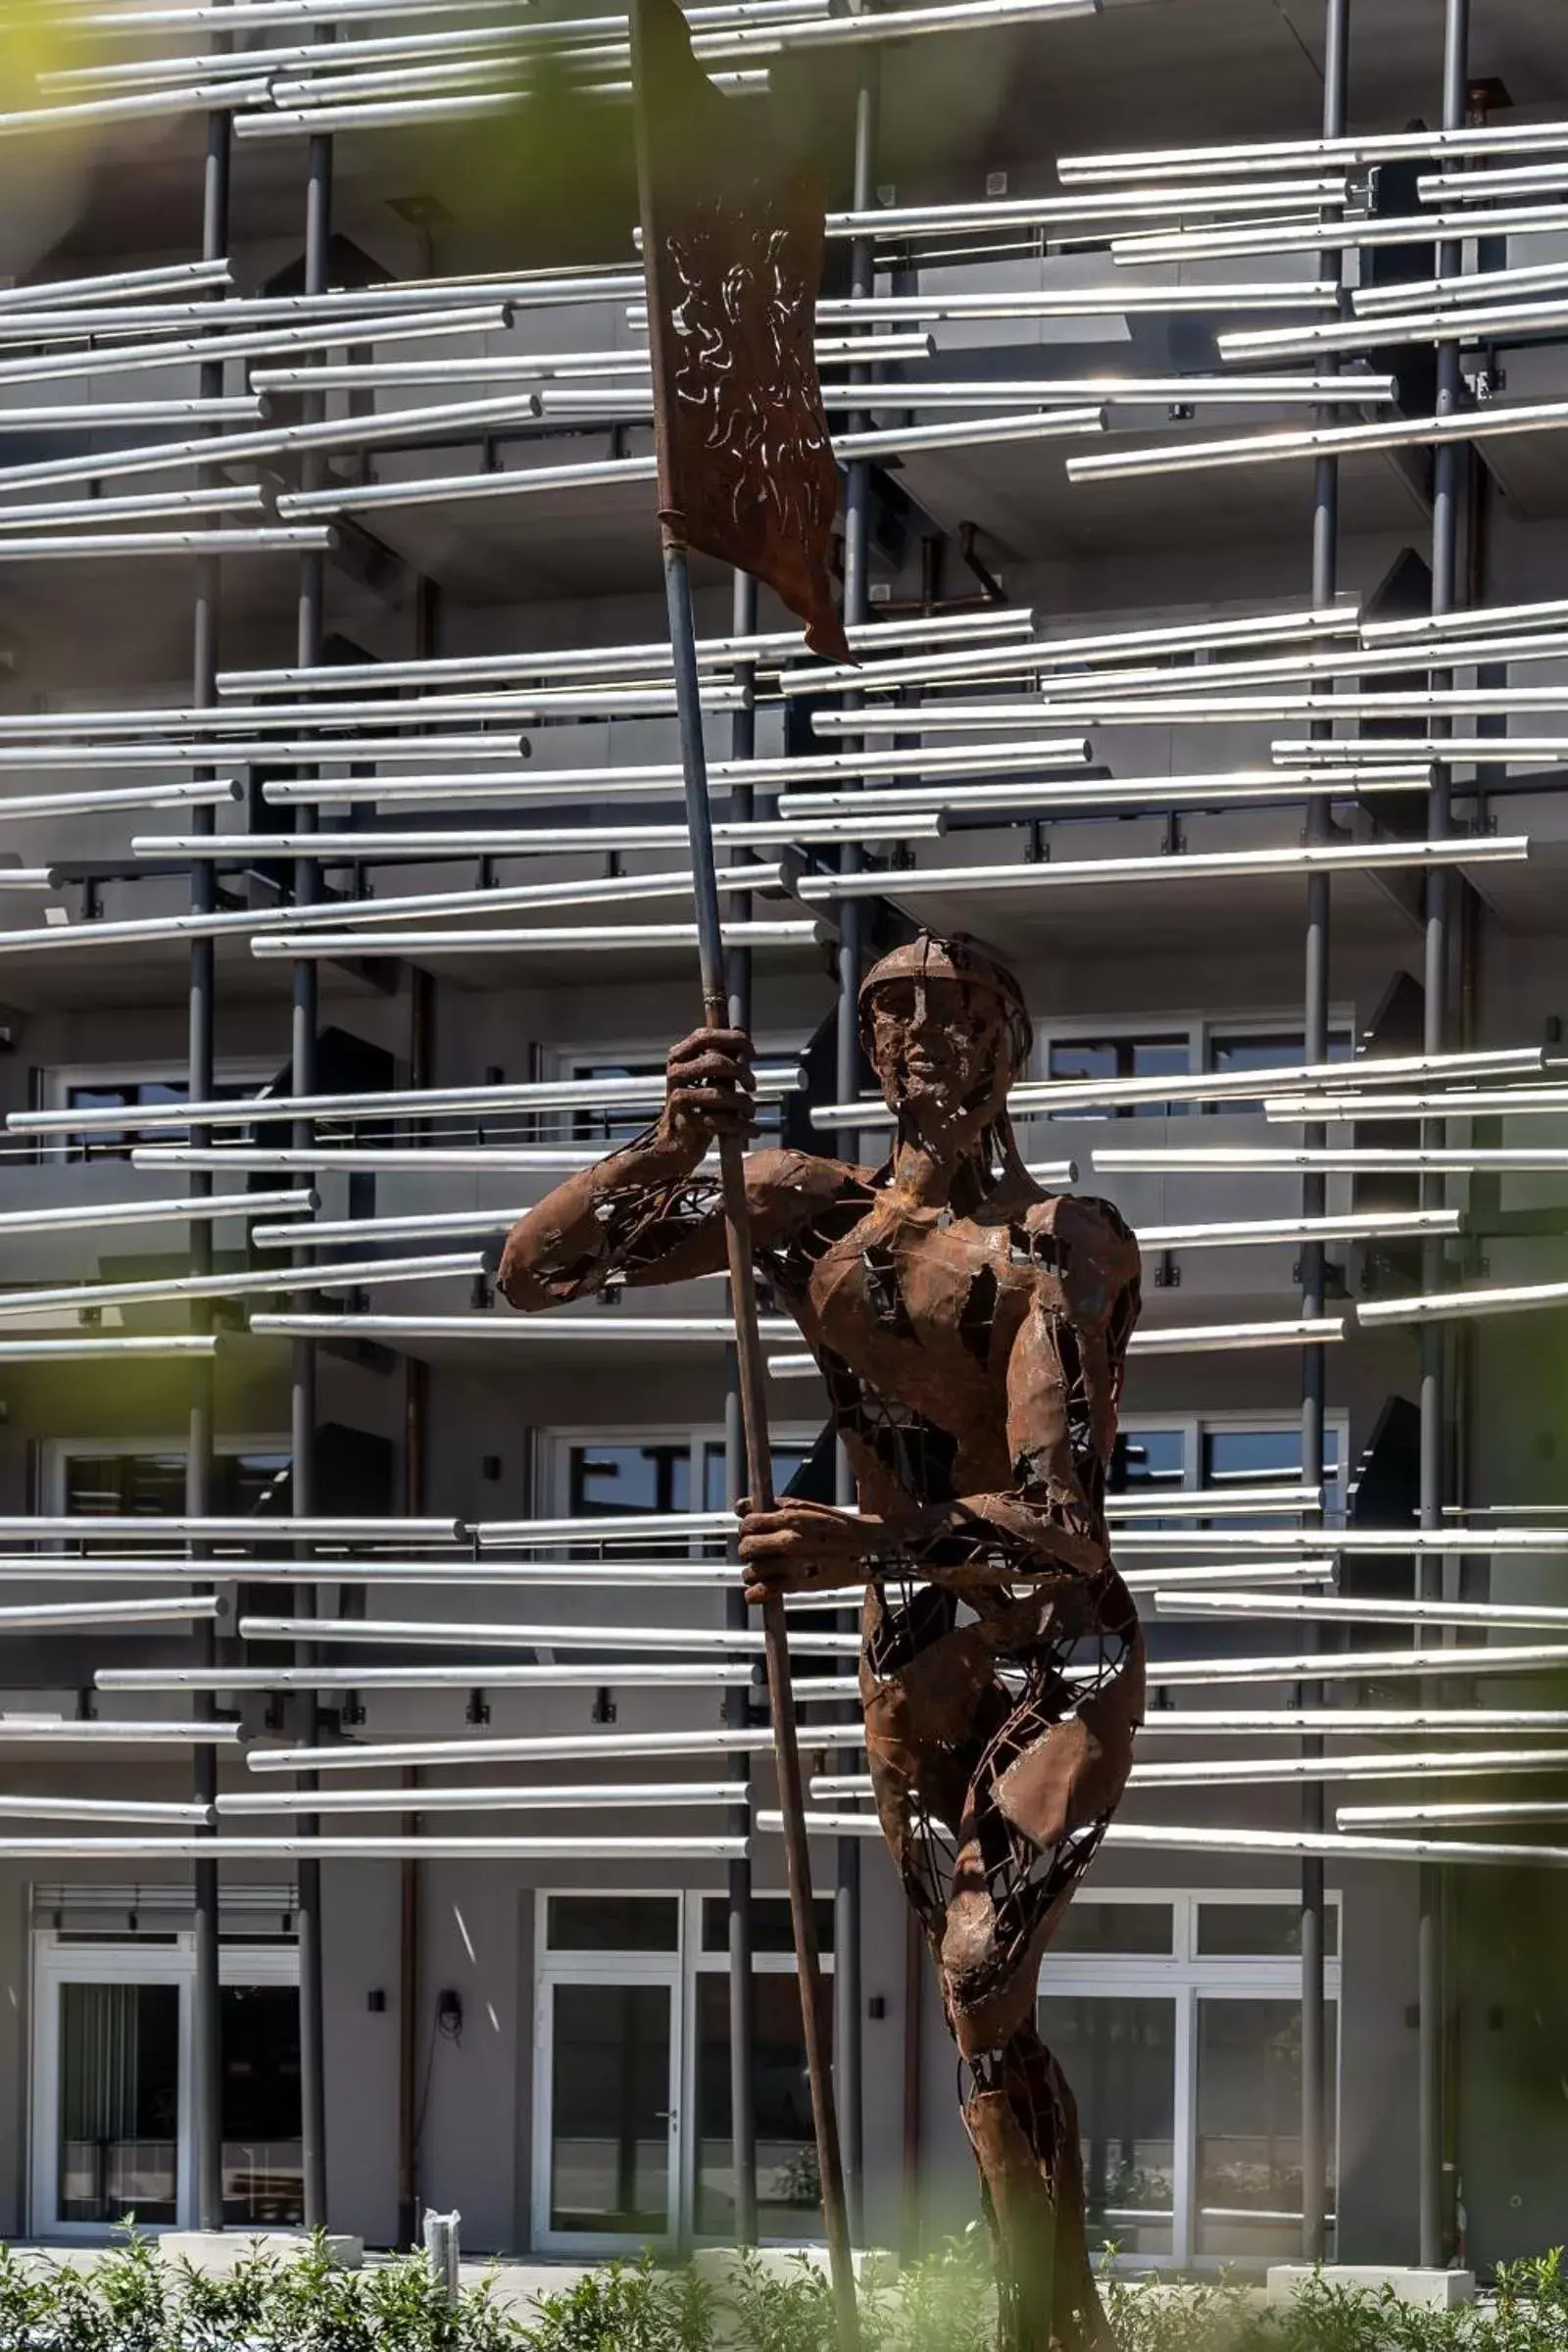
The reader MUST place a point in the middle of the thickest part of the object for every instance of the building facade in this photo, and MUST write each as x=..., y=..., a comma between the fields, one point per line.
x=542, y=2040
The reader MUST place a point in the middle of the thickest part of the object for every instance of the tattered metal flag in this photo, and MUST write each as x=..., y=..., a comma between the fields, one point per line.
x=732, y=250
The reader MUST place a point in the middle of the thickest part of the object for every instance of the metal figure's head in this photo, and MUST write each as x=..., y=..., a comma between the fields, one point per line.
x=946, y=1031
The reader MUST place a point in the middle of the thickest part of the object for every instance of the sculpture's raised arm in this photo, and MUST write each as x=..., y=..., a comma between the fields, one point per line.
x=649, y=1212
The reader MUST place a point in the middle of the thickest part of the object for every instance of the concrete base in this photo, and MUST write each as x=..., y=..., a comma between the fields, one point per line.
x=215, y=2252
x=1432, y=2290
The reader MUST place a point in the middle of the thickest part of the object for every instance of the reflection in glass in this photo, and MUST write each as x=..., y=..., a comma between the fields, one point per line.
x=1259, y=1930
x=1121, y=1058
x=1234, y=1459
x=788, y=2188
x=610, y=2110
x=1091, y=1926
x=1119, y=2052
x=118, y=2103
x=1249, y=2169
x=263, y=2173
x=614, y=1922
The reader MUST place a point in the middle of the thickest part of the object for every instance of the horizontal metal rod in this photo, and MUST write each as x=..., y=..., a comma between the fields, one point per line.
x=1262, y=1771
x=49, y=293
x=1283, y=1159
x=90, y=1214
x=350, y=1159
x=361, y=1274
x=1191, y=866
x=1481, y=322
x=1485, y=1809
x=73, y=547
x=1253, y=1232
x=1337, y=1608
x=1262, y=156
x=557, y=1329
x=98, y=1808
x=150, y=1344
x=333, y=946
x=509, y=1797
x=18, y=806
x=1462, y=751
x=1301, y=1844
x=41, y=1731
x=1290, y=625
x=212, y=408
x=1271, y=448
x=663, y=779
x=427, y=1847
x=763, y=646
x=772, y=1082
x=34, y=1616
x=383, y=848
x=1246, y=788
x=466, y=1675
x=414, y=1633
x=1245, y=242
x=1493, y=1540
x=549, y=366
x=547, y=1747
x=239, y=498
x=1352, y=1722
x=1048, y=1096
x=1448, y=1306
x=160, y=1526
x=178, y=351
x=1458, y=1102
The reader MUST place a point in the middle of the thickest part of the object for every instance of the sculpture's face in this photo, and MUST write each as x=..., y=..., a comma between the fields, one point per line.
x=942, y=1050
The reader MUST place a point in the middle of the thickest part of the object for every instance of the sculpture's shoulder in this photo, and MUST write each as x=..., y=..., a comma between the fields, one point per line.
x=1097, y=1249
x=789, y=1188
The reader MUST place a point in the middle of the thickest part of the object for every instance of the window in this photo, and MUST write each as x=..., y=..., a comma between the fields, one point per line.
x=632, y=2137
x=1178, y=2020
x=131, y=1089
x=612, y=1127
x=1120, y=1057
x=657, y=1472
x=112, y=2076
x=1228, y=1457
x=1176, y=1048
x=85, y=1480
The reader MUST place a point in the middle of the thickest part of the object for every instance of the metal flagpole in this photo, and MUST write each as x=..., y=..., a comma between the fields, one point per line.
x=749, y=1366
x=749, y=1363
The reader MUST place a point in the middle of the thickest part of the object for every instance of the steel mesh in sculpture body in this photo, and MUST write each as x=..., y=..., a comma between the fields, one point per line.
x=971, y=1331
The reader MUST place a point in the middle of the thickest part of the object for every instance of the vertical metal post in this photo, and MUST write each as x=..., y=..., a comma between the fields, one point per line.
x=848, y=2005
x=207, y=2057
x=301, y=1415
x=1450, y=464
x=737, y=1701
x=1314, y=1202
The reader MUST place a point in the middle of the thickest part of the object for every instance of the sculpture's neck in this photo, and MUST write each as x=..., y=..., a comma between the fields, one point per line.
x=959, y=1167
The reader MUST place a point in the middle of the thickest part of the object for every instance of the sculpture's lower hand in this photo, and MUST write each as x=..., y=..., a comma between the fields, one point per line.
x=806, y=1548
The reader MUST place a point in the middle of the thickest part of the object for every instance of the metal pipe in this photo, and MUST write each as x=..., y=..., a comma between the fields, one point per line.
x=303, y=1412
x=1449, y=482
x=93, y=1213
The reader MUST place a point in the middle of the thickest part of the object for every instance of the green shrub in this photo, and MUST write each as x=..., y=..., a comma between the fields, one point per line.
x=131, y=2300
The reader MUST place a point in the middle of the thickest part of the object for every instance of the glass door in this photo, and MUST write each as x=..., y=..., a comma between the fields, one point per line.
x=606, y=2116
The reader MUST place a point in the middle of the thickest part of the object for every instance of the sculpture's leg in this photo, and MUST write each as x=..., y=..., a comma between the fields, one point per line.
x=1024, y=2126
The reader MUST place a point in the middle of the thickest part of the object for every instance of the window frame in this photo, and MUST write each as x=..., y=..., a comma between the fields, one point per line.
x=1203, y=1030
x=56, y=1963
x=678, y=1969
x=58, y=1079
x=55, y=1453
x=1185, y=1978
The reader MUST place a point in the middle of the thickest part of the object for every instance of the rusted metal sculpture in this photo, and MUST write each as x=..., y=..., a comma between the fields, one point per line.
x=972, y=1330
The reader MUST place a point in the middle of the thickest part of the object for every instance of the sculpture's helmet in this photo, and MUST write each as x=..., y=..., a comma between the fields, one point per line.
x=956, y=957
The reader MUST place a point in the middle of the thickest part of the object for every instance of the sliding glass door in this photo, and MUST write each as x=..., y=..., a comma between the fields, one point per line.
x=111, y=2077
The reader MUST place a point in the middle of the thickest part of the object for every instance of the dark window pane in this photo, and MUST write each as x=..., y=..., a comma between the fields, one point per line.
x=788, y=2188
x=263, y=2178
x=610, y=2110
x=252, y=1486
x=615, y=1479
x=1120, y=1057
x=1249, y=2059
x=1148, y=1461
x=1266, y=1050
x=118, y=2103
x=787, y=1459
x=614, y=1922
x=1259, y=1930
x=1093, y=1927
x=1234, y=1459
x=771, y=1931
x=1119, y=2054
